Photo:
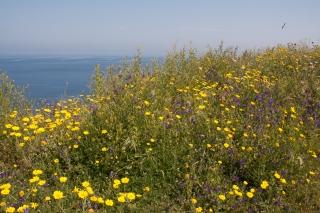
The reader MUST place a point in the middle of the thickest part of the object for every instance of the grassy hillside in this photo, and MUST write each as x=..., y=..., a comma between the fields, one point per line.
x=215, y=131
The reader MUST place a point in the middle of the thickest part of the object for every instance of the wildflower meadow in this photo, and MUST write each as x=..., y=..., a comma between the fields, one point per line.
x=214, y=131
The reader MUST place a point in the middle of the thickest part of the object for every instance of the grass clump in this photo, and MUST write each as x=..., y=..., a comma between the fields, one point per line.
x=199, y=132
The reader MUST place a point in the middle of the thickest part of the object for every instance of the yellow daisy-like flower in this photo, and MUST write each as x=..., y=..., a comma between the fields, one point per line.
x=277, y=175
x=104, y=131
x=193, y=201
x=146, y=189
x=202, y=107
x=5, y=186
x=5, y=191
x=250, y=194
x=75, y=189
x=100, y=200
x=122, y=199
x=82, y=194
x=10, y=209
x=34, y=205
x=131, y=196
x=86, y=132
x=63, y=179
x=226, y=145
x=199, y=209
x=85, y=184
x=125, y=180
x=42, y=182
x=222, y=197
x=37, y=172
x=109, y=202
x=57, y=195
x=89, y=190
x=264, y=184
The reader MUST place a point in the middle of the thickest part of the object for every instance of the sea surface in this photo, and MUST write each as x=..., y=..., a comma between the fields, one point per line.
x=56, y=77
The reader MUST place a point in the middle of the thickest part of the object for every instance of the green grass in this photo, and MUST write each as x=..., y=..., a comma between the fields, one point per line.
x=213, y=131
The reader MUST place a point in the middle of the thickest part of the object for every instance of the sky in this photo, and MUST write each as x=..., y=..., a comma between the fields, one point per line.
x=118, y=27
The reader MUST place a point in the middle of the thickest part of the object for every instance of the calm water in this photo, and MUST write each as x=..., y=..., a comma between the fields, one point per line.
x=51, y=77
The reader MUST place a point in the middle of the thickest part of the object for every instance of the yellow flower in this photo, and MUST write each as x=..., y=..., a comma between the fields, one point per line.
x=222, y=197
x=56, y=160
x=89, y=190
x=264, y=184
x=202, y=107
x=193, y=201
x=75, y=189
x=280, y=129
x=5, y=186
x=21, y=193
x=85, y=184
x=22, y=208
x=277, y=175
x=178, y=116
x=282, y=180
x=100, y=200
x=93, y=198
x=104, y=131
x=146, y=103
x=161, y=118
x=8, y=126
x=131, y=196
x=63, y=179
x=109, y=202
x=82, y=194
x=47, y=198
x=245, y=182
x=250, y=194
x=57, y=195
x=122, y=199
x=235, y=187
x=125, y=180
x=34, y=205
x=311, y=173
x=15, y=128
x=10, y=209
x=199, y=209
x=86, y=132
x=147, y=113
x=42, y=182
x=146, y=189
x=5, y=191
x=226, y=145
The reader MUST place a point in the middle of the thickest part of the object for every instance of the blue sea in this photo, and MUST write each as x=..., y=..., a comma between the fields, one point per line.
x=56, y=77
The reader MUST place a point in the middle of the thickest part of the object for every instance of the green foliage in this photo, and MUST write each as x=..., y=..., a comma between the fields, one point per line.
x=200, y=132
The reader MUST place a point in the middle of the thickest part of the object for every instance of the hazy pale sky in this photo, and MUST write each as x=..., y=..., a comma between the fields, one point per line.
x=102, y=27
